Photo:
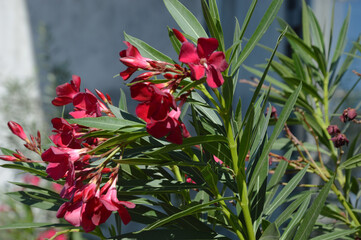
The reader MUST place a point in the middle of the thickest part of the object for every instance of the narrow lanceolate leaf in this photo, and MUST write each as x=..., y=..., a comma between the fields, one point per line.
x=305, y=24
x=188, y=142
x=185, y=19
x=146, y=50
x=105, y=123
x=261, y=29
x=352, y=162
x=271, y=233
x=336, y=234
x=286, y=191
x=123, y=101
x=312, y=213
x=189, y=211
x=287, y=213
x=276, y=131
x=341, y=41
x=289, y=230
x=33, y=225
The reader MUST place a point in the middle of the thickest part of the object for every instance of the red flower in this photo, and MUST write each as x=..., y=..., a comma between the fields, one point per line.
x=170, y=127
x=111, y=202
x=155, y=104
x=339, y=140
x=204, y=59
x=66, y=91
x=49, y=233
x=333, y=130
x=58, y=162
x=66, y=133
x=348, y=114
x=133, y=60
x=86, y=105
x=17, y=130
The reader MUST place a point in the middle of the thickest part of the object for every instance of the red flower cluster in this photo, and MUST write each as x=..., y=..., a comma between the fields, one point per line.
x=158, y=107
x=89, y=203
x=85, y=103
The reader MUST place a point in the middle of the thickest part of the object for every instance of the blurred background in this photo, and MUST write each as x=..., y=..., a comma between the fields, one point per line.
x=44, y=42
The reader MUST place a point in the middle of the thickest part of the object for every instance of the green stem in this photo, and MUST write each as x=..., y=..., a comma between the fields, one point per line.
x=241, y=181
x=231, y=218
x=344, y=203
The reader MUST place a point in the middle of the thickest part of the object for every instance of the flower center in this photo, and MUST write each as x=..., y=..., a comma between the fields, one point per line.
x=203, y=62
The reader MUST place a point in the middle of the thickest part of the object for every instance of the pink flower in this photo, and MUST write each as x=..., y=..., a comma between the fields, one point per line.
x=8, y=158
x=133, y=60
x=155, y=104
x=170, y=127
x=66, y=133
x=86, y=105
x=49, y=233
x=66, y=91
x=203, y=59
x=17, y=130
x=58, y=162
x=111, y=202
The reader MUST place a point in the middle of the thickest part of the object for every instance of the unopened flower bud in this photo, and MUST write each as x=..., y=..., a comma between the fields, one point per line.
x=348, y=114
x=17, y=130
x=179, y=36
x=333, y=130
x=8, y=158
x=101, y=96
x=339, y=140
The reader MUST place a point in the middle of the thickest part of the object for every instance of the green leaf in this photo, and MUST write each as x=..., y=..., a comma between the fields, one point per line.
x=185, y=19
x=37, y=199
x=287, y=234
x=268, y=78
x=286, y=191
x=186, y=212
x=106, y=123
x=33, y=225
x=305, y=24
x=271, y=233
x=341, y=41
x=317, y=35
x=261, y=29
x=188, y=142
x=6, y=151
x=173, y=39
x=120, y=139
x=33, y=168
x=185, y=234
x=212, y=23
x=276, y=131
x=146, y=50
x=312, y=213
x=123, y=101
x=336, y=234
x=157, y=186
x=303, y=198
x=352, y=162
x=260, y=84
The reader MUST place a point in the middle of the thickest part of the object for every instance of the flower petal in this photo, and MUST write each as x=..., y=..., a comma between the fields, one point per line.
x=206, y=46
x=188, y=53
x=217, y=59
x=214, y=77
